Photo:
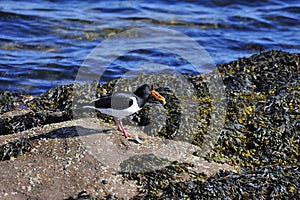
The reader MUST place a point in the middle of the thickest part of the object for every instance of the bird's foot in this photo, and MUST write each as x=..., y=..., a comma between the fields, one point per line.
x=122, y=129
x=128, y=135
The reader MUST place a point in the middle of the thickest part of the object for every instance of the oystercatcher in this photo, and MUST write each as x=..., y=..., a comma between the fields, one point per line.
x=122, y=104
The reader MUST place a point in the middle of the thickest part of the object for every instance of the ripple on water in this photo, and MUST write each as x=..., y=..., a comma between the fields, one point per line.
x=49, y=40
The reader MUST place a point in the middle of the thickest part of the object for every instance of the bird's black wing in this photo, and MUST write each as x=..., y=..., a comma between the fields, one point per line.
x=118, y=101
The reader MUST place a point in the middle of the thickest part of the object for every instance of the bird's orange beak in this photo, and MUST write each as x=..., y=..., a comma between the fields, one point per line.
x=158, y=97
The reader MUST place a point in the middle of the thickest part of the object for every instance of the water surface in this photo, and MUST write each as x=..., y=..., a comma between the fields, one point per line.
x=43, y=43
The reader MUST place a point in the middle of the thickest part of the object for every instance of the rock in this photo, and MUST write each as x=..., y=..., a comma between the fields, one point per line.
x=254, y=155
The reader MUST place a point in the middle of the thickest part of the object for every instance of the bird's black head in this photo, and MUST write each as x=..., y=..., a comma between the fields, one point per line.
x=146, y=90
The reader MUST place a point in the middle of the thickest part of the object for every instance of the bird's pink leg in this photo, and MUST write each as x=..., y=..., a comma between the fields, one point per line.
x=122, y=129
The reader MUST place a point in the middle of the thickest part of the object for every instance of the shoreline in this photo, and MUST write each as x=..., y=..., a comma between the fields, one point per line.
x=259, y=136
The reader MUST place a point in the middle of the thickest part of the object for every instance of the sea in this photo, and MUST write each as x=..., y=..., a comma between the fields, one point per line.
x=45, y=43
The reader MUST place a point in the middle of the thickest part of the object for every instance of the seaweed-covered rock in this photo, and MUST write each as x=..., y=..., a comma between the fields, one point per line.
x=262, y=124
x=21, y=121
x=10, y=100
x=83, y=195
x=178, y=182
x=260, y=133
x=15, y=149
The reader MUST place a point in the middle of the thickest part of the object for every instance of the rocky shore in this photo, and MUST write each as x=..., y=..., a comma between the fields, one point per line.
x=52, y=149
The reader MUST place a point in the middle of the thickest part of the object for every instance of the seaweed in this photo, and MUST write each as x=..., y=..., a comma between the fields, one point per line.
x=260, y=134
x=13, y=150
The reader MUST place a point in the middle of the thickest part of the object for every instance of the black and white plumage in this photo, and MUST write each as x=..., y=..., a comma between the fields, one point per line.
x=122, y=104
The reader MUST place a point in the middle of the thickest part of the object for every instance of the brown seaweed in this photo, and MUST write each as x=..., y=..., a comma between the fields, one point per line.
x=260, y=134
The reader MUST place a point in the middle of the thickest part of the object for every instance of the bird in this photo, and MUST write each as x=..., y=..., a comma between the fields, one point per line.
x=122, y=104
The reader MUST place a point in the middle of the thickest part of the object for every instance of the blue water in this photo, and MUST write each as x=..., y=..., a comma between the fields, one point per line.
x=44, y=43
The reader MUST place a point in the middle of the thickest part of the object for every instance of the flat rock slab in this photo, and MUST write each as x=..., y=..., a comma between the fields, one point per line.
x=84, y=155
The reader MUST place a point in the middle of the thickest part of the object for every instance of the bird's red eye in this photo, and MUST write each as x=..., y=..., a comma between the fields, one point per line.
x=150, y=87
